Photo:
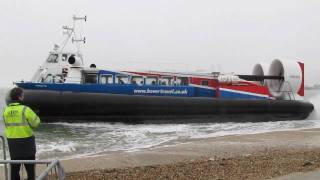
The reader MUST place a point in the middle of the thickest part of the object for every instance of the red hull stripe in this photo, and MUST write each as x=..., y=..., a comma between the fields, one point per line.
x=301, y=90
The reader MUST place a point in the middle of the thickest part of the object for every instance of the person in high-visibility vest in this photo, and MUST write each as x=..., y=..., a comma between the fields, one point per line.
x=19, y=121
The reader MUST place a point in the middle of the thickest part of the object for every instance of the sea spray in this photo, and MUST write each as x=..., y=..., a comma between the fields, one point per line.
x=314, y=97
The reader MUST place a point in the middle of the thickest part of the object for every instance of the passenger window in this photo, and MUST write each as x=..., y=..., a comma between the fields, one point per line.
x=183, y=81
x=137, y=80
x=122, y=80
x=106, y=79
x=151, y=81
x=90, y=78
x=165, y=81
x=205, y=83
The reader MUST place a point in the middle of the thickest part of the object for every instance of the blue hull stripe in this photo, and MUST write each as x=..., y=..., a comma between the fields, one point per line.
x=147, y=90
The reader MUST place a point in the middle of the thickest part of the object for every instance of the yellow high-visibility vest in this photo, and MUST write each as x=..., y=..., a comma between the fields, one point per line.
x=19, y=120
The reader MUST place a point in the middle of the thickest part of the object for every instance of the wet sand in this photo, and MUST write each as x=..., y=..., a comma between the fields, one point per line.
x=256, y=156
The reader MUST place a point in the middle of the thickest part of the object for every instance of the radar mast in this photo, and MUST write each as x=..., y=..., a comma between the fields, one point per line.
x=70, y=32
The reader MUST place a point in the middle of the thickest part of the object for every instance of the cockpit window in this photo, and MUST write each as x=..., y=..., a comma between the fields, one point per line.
x=48, y=79
x=53, y=78
x=53, y=58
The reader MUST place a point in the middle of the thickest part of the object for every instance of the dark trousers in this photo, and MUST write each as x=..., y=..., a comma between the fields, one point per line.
x=22, y=149
x=15, y=168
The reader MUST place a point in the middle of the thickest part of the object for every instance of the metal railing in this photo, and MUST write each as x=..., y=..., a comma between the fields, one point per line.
x=4, y=157
x=53, y=169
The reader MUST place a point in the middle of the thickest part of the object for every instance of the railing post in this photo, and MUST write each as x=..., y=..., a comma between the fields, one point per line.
x=4, y=157
x=46, y=172
x=290, y=91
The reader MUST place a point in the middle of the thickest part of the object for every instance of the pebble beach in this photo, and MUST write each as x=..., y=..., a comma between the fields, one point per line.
x=255, y=156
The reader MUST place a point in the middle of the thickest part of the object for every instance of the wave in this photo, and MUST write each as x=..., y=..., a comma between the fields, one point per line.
x=70, y=140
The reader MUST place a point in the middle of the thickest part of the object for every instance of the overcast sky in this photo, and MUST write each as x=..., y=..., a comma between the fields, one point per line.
x=190, y=35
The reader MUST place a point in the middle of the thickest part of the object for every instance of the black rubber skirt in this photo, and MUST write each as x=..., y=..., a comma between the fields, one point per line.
x=74, y=107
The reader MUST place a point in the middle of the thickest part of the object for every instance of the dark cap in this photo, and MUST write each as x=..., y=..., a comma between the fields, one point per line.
x=14, y=95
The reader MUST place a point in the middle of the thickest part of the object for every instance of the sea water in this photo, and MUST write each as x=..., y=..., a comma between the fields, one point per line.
x=69, y=140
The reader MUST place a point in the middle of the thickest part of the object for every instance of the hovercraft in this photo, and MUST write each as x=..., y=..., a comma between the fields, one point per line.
x=63, y=89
